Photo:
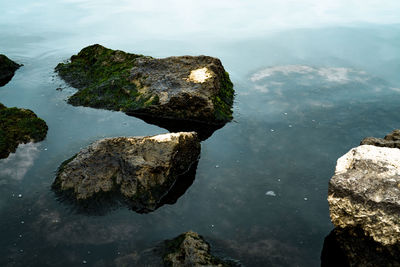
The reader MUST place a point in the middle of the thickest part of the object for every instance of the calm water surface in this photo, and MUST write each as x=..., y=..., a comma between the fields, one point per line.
x=304, y=97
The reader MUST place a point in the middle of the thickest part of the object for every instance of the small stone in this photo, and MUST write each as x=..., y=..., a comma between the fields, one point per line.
x=84, y=261
x=216, y=166
x=22, y=222
x=305, y=199
x=270, y=193
x=190, y=249
x=20, y=195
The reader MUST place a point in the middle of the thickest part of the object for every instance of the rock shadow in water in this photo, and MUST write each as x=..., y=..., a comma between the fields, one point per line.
x=203, y=130
x=5, y=80
x=107, y=202
x=351, y=247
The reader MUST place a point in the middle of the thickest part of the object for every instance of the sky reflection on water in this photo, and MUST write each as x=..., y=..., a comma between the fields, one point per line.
x=311, y=78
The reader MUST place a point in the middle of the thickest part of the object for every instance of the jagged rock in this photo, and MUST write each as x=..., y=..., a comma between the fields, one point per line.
x=140, y=170
x=18, y=126
x=365, y=192
x=390, y=140
x=180, y=88
x=7, y=69
x=189, y=249
x=350, y=247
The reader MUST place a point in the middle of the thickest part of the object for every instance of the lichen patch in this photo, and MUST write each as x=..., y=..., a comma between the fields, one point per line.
x=199, y=75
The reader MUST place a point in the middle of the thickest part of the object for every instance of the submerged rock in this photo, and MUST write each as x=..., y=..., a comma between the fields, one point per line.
x=7, y=69
x=139, y=170
x=179, y=88
x=390, y=140
x=351, y=247
x=189, y=249
x=365, y=192
x=18, y=126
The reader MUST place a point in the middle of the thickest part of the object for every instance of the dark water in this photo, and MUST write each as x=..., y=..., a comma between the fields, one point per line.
x=303, y=98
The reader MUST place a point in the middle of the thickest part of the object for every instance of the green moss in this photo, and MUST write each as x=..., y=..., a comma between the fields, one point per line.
x=19, y=126
x=102, y=75
x=223, y=102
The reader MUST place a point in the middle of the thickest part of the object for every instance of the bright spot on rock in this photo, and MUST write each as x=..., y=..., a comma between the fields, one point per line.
x=199, y=75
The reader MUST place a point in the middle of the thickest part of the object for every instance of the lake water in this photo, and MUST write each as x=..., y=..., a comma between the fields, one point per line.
x=304, y=97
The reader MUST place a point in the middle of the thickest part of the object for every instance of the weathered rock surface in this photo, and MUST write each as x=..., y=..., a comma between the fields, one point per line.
x=365, y=192
x=18, y=126
x=189, y=249
x=140, y=170
x=7, y=69
x=180, y=88
x=390, y=140
x=350, y=247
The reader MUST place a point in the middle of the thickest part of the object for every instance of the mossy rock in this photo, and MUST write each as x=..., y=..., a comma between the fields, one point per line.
x=7, y=69
x=19, y=126
x=180, y=88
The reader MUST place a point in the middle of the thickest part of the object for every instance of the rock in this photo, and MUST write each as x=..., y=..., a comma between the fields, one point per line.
x=180, y=88
x=365, y=192
x=390, y=140
x=350, y=247
x=139, y=170
x=18, y=126
x=7, y=69
x=189, y=249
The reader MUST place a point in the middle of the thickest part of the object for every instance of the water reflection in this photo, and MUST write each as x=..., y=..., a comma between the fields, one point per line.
x=104, y=203
x=350, y=247
x=16, y=165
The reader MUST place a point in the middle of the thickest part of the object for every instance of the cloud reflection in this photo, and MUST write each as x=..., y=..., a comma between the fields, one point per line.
x=17, y=164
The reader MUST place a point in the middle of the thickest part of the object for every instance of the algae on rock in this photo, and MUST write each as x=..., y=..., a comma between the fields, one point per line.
x=19, y=126
x=182, y=88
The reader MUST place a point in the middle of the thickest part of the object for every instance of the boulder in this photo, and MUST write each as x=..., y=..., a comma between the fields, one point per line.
x=365, y=192
x=189, y=249
x=7, y=69
x=18, y=126
x=189, y=88
x=141, y=171
x=390, y=140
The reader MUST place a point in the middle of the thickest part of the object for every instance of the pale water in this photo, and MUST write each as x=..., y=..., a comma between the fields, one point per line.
x=304, y=97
